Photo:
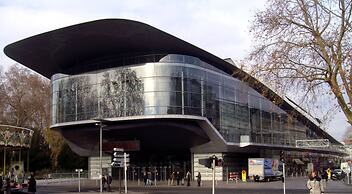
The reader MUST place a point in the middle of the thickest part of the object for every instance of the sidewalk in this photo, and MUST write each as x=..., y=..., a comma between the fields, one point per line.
x=92, y=186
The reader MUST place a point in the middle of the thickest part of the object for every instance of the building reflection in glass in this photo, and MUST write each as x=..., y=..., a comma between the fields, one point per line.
x=173, y=84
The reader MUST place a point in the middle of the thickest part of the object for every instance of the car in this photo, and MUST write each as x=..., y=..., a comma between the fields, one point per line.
x=337, y=174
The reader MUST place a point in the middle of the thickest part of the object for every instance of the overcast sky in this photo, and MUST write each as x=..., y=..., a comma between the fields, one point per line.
x=218, y=26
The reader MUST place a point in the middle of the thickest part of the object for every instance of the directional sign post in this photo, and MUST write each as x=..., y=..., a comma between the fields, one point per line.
x=121, y=159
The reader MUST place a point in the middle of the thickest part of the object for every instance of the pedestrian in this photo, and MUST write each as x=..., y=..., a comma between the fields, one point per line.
x=173, y=178
x=145, y=178
x=109, y=181
x=103, y=182
x=178, y=177
x=199, y=179
x=1, y=184
x=324, y=178
x=188, y=178
x=149, y=178
x=7, y=186
x=314, y=184
x=32, y=184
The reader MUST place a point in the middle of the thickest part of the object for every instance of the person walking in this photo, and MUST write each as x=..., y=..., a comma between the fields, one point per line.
x=324, y=178
x=7, y=186
x=173, y=176
x=32, y=184
x=145, y=177
x=103, y=182
x=314, y=184
x=108, y=182
x=199, y=179
x=1, y=184
x=178, y=177
x=188, y=178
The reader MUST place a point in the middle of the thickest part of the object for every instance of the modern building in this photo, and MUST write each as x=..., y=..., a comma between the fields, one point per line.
x=164, y=100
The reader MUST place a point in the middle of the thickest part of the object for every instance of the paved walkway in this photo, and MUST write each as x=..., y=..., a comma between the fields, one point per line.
x=294, y=185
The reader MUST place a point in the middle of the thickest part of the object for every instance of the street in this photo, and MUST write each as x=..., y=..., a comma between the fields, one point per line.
x=294, y=186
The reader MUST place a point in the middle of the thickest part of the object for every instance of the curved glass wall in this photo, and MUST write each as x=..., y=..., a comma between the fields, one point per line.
x=174, y=84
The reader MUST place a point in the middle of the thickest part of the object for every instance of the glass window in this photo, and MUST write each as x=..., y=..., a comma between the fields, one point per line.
x=169, y=84
x=229, y=94
x=254, y=101
x=194, y=73
x=193, y=111
x=176, y=58
x=266, y=120
x=149, y=99
x=242, y=116
x=192, y=85
x=241, y=96
x=167, y=69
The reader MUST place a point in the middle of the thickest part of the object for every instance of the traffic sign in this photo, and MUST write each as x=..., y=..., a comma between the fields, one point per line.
x=119, y=155
x=120, y=159
x=118, y=150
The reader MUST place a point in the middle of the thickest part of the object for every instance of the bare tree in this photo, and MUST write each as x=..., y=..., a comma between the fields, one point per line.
x=25, y=102
x=307, y=44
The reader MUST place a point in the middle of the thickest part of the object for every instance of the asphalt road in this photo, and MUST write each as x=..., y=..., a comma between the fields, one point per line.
x=293, y=185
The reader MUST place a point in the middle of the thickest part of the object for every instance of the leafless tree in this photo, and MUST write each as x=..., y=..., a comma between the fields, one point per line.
x=306, y=45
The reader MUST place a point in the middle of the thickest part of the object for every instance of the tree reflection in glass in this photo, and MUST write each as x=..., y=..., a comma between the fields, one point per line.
x=122, y=94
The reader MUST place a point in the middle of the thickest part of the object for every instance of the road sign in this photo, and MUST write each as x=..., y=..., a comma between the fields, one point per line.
x=119, y=155
x=312, y=143
x=118, y=150
x=120, y=158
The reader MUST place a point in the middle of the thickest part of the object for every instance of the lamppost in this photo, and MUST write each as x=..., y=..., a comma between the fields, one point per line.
x=79, y=179
x=100, y=151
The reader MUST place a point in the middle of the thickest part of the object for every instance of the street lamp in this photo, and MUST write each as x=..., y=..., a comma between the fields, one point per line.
x=79, y=179
x=100, y=151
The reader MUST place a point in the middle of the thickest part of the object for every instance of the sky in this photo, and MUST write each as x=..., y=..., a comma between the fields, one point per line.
x=217, y=26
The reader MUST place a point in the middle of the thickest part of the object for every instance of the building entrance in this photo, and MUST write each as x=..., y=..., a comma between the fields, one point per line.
x=156, y=166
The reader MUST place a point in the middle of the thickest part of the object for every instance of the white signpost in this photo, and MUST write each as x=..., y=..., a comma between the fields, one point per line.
x=121, y=160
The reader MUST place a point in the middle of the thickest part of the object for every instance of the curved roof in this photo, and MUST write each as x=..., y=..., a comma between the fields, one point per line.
x=60, y=50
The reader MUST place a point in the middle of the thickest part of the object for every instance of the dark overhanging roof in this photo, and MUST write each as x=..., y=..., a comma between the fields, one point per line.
x=59, y=50
x=53, y=52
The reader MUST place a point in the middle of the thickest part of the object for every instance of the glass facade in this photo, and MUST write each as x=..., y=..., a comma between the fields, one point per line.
x=173, y=84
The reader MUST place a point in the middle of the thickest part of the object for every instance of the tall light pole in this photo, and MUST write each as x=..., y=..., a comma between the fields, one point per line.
x=101, y=155
x=100, y=151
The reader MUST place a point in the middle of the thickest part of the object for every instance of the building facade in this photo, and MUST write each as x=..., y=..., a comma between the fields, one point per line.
x=173, y=102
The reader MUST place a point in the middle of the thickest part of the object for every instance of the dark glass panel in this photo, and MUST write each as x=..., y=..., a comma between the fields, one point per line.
x=229, y=94
x=266, y=120
x=193, y=111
